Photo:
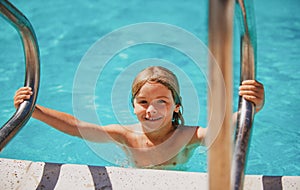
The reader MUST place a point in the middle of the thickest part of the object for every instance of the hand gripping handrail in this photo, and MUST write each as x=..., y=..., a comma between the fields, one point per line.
x=31, y=51
x=246, y=111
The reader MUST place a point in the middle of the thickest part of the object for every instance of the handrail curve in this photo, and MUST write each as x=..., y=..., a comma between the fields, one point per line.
x=246, y=108
x=32, y=74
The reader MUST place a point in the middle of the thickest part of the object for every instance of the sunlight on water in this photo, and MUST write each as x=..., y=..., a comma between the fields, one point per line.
x=65, y=31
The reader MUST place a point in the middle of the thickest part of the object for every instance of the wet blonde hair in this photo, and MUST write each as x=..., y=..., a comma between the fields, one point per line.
x=166, y=78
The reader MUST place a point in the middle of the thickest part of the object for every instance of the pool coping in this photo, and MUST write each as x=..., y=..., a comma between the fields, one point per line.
x=22, y=174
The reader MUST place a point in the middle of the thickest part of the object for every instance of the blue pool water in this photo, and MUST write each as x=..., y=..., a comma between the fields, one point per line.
x=67, y=29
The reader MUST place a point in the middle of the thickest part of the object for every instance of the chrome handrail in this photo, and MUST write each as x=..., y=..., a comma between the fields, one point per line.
x=246, y=110
x=31, y=53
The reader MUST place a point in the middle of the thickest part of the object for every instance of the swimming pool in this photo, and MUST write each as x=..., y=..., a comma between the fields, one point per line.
x=65, y=31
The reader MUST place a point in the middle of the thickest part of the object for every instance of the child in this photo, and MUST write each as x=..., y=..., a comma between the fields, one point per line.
x=160, y=139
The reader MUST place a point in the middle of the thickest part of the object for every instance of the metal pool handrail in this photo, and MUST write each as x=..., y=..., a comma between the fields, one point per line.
x=31, y=53
x=246, y=111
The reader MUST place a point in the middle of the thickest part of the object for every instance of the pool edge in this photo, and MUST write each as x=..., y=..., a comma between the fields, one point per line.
x=22, y=174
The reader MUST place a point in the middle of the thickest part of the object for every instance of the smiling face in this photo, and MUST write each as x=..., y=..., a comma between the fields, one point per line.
x=165, y=78
x=154, y=106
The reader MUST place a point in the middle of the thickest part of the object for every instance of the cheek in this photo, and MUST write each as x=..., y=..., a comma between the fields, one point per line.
x=138, y=109
x=134, y=109
x=166, y=110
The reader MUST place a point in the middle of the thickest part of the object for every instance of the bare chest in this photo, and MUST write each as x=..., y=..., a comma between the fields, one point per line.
x=159, y=157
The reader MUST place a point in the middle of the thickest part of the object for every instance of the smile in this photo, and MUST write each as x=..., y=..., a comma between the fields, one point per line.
x=153, y=119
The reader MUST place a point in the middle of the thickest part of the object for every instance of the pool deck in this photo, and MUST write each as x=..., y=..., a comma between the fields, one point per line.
x=21, y=174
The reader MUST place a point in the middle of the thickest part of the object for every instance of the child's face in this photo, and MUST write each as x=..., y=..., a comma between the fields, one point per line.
x=154, y=106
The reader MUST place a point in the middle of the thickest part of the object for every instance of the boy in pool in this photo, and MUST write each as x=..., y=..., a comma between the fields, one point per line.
x=160, y=139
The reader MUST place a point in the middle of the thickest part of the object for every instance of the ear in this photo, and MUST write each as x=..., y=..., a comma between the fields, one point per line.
x=177, y=108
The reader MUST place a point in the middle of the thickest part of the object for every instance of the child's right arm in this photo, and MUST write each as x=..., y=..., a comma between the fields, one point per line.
x=69, y=124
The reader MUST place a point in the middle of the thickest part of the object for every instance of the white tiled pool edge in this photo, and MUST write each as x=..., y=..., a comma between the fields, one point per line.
x=20, y=174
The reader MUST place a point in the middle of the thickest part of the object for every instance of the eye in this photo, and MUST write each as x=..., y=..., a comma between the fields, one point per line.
x=161, y=101
x=142, y=102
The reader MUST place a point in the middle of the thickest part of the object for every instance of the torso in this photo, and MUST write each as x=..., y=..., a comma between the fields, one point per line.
x=174, y=151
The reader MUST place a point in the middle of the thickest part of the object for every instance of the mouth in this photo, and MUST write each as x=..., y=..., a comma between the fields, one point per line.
x=153, y=119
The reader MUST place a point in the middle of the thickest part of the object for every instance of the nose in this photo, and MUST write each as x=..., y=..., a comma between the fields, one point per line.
x=151, y=110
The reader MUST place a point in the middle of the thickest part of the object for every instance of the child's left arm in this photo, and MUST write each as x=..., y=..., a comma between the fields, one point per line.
x=253, y=91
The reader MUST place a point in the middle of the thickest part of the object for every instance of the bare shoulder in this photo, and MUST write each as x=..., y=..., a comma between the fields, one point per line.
x=199, y=133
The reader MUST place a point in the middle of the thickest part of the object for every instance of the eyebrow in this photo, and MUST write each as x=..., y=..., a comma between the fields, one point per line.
x=143, y=97
x=163, y=97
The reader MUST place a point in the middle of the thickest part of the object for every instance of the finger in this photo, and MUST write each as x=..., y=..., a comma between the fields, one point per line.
x=25, y=88
x=250, y=90
x=257, y=94
x=247, y=92
x=252, y=85
x=20, y=99
x=252, y=99
x=252, y=82
x=24, y=97
x=248, y=87
x=18, y=102
x=23, y=91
